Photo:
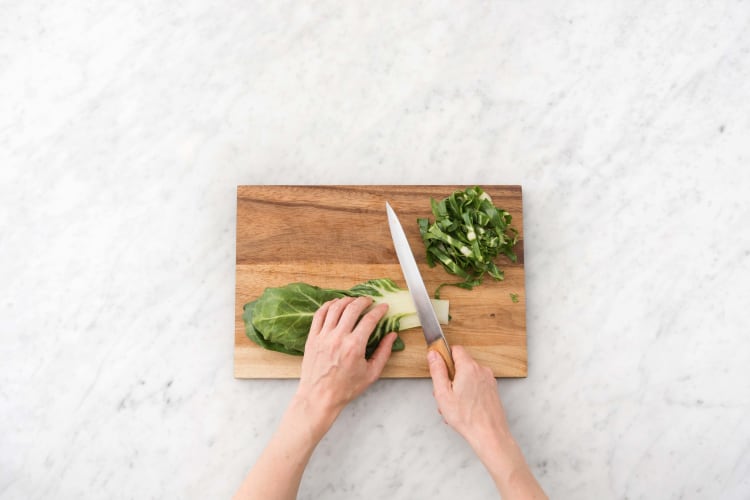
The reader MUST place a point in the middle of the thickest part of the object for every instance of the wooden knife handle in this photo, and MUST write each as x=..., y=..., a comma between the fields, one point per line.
x=440, y=347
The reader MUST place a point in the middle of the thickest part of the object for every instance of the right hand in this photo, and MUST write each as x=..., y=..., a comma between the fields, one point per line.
x=470, y=404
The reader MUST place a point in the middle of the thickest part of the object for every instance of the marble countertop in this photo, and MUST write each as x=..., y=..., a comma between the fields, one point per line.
x=125, y=128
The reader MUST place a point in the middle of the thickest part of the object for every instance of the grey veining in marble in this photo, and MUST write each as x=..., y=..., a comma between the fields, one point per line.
x=126, y=126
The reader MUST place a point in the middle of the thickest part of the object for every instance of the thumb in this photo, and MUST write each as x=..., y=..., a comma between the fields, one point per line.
x=439, y=373
x=380, y=357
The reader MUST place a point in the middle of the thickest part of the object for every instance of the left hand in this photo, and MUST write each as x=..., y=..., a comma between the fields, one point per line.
x=334, y=371
x=334, y=368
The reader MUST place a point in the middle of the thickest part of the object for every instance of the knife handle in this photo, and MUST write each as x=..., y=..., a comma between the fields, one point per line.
x=440, y=347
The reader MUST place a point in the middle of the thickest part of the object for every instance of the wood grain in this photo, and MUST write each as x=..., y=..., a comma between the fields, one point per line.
x=337, y=236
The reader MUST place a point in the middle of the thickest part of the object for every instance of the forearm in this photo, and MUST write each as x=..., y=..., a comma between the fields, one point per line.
x=278, y=471
x=503, y=459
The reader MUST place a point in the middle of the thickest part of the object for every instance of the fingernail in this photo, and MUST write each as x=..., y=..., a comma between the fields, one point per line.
x=432, y=356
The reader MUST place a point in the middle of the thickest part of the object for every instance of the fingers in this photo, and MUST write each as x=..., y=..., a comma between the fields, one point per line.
x=380, y=357
x=467, y=365
x=319, y=317
x=367, y=324
x=461, y=355
x=334, y=312
x=352, y=312
x=441, y=384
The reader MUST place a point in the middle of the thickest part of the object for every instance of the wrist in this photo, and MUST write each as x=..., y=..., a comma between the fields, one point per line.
x=313, y=414
x=502, y=457
x=495, y=444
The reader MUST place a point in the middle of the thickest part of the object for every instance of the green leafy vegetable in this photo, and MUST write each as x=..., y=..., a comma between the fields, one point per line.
x=514, y=298
x=469, y=232
x=280, y=318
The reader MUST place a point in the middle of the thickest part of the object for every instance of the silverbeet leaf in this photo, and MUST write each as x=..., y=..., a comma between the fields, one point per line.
x=280, y=319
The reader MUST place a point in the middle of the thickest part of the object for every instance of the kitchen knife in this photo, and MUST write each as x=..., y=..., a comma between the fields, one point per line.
x=433, y=334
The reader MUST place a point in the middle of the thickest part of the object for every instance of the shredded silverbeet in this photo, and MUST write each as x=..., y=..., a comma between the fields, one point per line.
x=468, y=233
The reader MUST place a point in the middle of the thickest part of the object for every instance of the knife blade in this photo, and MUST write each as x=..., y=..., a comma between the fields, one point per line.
x=433, y=333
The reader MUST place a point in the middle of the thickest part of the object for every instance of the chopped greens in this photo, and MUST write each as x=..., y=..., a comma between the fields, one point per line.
x=514, y=298
x=280, y=319
x=469, y=232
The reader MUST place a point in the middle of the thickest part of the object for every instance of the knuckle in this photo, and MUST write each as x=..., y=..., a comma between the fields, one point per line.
x=367, y=323
x=368, y=318
x=364, y=327
x=350, y=346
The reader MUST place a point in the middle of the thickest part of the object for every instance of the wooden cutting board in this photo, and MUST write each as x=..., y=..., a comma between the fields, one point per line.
x=338, y=236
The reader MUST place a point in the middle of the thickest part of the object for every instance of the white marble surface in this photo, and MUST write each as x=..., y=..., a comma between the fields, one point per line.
x=126, y=126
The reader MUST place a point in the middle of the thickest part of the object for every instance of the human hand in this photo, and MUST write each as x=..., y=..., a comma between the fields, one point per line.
x=471, y=404
x=334, y=368
x=334, y=371
x=472, y=407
